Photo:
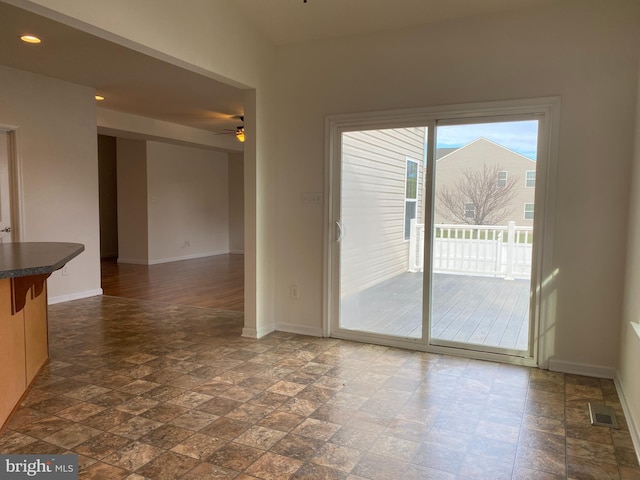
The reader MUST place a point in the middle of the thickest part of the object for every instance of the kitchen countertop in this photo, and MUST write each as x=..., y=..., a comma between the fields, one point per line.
x=23, y=259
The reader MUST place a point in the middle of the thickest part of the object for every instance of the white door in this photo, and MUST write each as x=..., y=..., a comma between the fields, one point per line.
x=5, y=190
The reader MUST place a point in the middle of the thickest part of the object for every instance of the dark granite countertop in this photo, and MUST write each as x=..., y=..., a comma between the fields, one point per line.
x=35, y=258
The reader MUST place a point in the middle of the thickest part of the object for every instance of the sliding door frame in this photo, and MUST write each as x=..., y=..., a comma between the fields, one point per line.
x=547, y=109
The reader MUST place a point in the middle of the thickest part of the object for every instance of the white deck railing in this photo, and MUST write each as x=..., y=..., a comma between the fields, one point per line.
x=483, y=250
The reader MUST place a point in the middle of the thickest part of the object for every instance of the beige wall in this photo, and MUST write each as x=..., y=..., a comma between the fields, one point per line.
x=187, y=198
x=588, y=54
x=236, y=203
x=133, y=235
x=58, y=164
x=629, y=368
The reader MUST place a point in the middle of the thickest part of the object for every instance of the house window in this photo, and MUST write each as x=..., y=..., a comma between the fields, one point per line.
x=502, y=179
x=469, y=210
x=530, y=179
x=410, y=195
x=528, y=211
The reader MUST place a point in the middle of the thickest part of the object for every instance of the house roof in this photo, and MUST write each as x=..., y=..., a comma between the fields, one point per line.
x=482, y=145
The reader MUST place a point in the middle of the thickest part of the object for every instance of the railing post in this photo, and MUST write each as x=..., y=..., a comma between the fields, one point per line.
x=511, y=247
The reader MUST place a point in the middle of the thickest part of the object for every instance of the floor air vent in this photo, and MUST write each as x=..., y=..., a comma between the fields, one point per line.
x=602, y=415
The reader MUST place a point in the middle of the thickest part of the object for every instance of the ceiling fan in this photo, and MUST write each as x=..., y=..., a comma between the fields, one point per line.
x=239, y=130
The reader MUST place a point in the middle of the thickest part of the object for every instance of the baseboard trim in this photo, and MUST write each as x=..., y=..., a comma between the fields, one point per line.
x=137, y=261
x=582, y=369
x=634, y=426
x=74, y=296
x=187, y=257
x=299, y=329
x=259, y=333
x=133, y=261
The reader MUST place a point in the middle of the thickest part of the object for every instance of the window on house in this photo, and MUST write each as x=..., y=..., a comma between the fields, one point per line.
x=410, y=195
x=502, y=179
x=530, y=179
x=469, y=210
x=528, y=211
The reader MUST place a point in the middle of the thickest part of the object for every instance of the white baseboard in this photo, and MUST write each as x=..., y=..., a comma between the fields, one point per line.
x=133, y=261
x=259, y=333
x=137, y=261
x=299, y=329
x=74, y=296
x=634, y=426
x=187, y=257
x=582, y=369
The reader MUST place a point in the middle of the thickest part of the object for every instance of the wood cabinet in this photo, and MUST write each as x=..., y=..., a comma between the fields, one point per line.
x=24, y=346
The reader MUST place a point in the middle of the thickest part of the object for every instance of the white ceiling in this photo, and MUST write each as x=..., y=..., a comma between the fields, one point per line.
x=138, y=84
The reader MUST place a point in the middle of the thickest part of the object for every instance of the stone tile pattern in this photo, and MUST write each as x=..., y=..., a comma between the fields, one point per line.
x=147, y=390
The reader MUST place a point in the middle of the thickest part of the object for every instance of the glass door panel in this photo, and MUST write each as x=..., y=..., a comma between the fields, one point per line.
x=382, y=176
x=482, y=236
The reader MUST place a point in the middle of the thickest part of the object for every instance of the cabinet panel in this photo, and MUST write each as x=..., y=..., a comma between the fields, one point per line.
x=35, y=329
x=12, y=353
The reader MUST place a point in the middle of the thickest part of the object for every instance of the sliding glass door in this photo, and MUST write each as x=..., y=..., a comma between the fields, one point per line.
x=434, y=231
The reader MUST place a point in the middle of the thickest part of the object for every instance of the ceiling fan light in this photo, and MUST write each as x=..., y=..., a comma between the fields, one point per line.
x=240, y=134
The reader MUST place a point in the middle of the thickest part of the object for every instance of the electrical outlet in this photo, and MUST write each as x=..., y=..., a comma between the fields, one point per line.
x=65, y=270
x=293, y=292
x=312, y=198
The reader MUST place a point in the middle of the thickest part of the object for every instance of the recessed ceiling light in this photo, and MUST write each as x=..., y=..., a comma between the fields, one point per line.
x=99, y=98
x=30, y=39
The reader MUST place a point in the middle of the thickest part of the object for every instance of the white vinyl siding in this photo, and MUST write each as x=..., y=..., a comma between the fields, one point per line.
x=373, y=203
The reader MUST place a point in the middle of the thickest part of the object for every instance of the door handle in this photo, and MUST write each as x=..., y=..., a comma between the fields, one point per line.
x=6, y=230
x=341, y=231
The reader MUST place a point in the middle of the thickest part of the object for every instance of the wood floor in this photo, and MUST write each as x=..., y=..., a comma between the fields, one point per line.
x=212, y=282
x=476, y=310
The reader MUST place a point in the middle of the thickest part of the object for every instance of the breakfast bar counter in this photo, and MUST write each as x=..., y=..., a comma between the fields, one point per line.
x=24, y=346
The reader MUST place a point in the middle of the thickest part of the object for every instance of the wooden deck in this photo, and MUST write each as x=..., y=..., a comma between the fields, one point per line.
x=478, y=310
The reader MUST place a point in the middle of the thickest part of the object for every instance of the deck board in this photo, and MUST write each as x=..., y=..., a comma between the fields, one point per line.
x=479, y=310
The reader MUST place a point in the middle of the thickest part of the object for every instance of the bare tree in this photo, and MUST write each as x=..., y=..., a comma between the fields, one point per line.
x=477, y=198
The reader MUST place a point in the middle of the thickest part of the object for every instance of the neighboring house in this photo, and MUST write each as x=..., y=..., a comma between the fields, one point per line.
x=509, y=164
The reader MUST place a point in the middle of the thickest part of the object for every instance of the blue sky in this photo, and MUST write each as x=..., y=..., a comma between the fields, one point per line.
x=521, y=137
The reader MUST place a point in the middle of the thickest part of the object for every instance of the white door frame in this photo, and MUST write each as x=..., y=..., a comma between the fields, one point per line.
x=548, y=109
x=15, y=181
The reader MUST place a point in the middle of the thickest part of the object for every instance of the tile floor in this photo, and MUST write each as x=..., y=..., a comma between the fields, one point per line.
x=147, y=390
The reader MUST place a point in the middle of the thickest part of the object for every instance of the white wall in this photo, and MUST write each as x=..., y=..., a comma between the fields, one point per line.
x=585, y=51
x=133, y=228
x=188, y=206
x=57, y=154
x=629, y=369
x=236, y=203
